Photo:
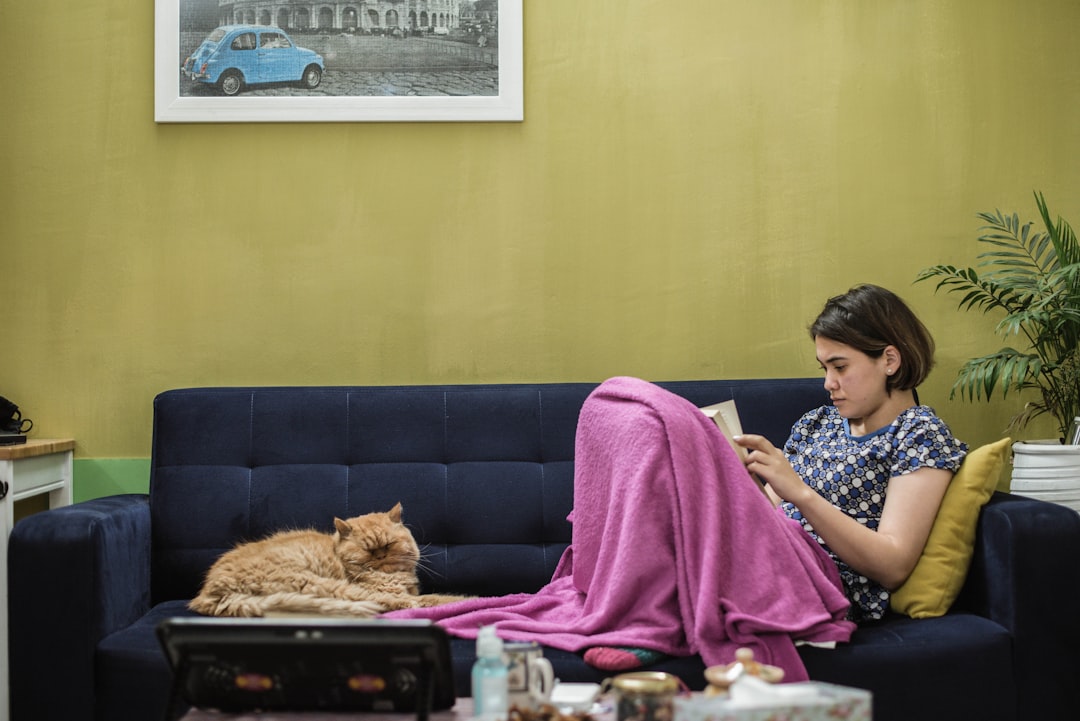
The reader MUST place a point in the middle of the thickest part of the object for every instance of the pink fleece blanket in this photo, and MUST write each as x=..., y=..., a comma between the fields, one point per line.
x=674, y=548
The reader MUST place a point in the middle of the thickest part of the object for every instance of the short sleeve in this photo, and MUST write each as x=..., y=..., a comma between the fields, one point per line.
x=924, y=441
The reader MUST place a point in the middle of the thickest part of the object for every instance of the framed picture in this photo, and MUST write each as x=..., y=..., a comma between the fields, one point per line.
x=338, y=60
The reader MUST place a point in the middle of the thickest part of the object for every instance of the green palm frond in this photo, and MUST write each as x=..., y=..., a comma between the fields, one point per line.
x=1061, y=234
x=984, y=294
x=1015, y=247
x=1007, y=369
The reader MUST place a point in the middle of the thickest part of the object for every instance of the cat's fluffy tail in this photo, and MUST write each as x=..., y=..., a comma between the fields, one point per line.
x=247, y=606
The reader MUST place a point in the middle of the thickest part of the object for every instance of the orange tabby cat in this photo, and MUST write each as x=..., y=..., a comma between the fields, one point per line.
x=366, y=567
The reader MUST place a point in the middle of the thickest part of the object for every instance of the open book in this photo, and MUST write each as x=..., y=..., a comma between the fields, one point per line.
x=726, y=417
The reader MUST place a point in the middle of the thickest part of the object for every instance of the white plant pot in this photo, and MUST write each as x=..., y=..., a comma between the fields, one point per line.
x=1047, y=470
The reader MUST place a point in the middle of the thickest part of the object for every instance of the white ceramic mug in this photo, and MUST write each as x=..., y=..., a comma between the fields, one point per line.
x=529, y=675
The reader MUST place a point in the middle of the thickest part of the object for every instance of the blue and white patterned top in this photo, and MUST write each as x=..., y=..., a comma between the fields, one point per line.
x=853, y=473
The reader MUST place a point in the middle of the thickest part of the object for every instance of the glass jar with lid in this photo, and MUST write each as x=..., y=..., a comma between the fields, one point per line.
x=644, y=696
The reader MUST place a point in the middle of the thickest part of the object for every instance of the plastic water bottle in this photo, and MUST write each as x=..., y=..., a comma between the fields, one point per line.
x=490, y=691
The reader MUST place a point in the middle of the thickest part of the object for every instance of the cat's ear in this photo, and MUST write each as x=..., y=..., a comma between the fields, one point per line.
x=342, y=527
x=395, y=513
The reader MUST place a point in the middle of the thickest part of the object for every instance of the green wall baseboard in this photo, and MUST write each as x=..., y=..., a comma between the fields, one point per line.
x=97, y=477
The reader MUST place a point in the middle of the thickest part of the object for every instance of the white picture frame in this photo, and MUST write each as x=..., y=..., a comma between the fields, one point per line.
x=180, y=100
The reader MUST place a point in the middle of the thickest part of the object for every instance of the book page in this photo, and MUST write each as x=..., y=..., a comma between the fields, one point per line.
x=726, y=417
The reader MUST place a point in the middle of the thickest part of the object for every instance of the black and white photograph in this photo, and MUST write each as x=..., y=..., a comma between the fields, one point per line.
x=297, y=60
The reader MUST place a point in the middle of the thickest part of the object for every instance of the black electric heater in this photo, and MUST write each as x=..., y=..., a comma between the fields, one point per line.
x=310, y=664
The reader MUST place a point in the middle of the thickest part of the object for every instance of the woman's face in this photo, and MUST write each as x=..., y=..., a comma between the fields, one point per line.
x=856, y=382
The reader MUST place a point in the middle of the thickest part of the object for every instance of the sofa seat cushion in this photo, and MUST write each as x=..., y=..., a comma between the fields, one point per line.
x=944, y=660
x=960, y=665
x=132, y=672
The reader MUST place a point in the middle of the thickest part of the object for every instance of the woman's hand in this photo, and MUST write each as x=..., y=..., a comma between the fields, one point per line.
x=769, y=464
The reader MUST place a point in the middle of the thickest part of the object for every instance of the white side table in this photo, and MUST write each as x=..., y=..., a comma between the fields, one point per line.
x=29, y=469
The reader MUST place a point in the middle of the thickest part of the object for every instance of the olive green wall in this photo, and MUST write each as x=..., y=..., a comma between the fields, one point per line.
x=691, y=180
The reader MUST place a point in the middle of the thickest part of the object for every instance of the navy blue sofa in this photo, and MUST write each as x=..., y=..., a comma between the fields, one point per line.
x=485, y=474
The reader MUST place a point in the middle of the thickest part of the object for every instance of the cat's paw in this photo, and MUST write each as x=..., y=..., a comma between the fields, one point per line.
x=437, y=599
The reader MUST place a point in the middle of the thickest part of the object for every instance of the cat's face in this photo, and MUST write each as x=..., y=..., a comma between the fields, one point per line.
x=376, y=542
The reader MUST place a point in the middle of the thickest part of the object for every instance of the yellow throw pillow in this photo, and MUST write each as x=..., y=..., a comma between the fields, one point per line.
x=939, y=575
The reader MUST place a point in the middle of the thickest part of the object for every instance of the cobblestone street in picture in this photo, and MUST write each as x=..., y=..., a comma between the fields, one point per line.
x=362, y=65
x=338, y=83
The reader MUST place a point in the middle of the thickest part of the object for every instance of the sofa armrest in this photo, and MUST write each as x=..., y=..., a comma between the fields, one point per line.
x=1024, y=577
x=76, y=574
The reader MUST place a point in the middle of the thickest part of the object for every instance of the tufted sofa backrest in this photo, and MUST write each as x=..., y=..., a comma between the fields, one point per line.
x=484, y=472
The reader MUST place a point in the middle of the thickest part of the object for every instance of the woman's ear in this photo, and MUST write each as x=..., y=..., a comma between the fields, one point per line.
x=892, y=360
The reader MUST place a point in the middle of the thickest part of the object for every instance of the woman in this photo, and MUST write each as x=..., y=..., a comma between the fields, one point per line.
x=865, y=476
x=675, y=551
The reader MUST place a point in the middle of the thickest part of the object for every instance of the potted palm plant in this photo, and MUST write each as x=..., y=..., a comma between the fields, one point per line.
x=1030, y=275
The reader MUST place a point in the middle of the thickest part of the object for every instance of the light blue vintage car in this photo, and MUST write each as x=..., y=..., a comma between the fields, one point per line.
x=233, y=56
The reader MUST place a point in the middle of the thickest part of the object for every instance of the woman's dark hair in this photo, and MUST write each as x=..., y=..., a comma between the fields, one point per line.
x=868, y=318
